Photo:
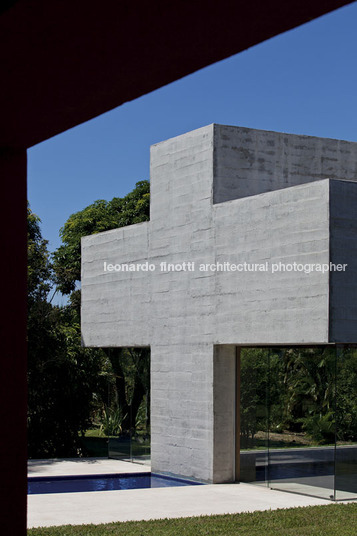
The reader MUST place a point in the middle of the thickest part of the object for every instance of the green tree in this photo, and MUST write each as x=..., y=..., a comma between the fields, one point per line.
x=40, y=274
x=306, y=391
x=310, y=390
x=64, y=380
x=130, y=367
x=131, y=371
x=98, y=217
x=254, y=383
x=346, y=395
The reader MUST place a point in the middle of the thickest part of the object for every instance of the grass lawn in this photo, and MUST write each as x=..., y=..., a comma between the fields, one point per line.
x=329, y=520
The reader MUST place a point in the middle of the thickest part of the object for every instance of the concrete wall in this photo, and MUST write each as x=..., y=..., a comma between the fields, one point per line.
x=249, y=162
x=182, y=410
x=224, y=403
x=193, y=411
x=143, y=308
x=343, y=246
x=115, y=305
x=290, y=225
x=192, y=320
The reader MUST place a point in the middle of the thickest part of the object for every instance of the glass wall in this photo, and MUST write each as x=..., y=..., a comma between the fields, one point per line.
x=304, y=440
x=254, y=432
x=305, y=421
x=346, y=423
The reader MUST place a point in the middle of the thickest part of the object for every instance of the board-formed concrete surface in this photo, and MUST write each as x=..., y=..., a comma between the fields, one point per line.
x=284, y=225
x=154, y=503
x=242, y=197
x=249, y=162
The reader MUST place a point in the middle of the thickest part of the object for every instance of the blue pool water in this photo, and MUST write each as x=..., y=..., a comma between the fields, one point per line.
x=73, y=484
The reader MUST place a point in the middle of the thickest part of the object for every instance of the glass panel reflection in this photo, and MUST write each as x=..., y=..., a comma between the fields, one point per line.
x=254, y=382
x=298, y=418
x=346, y=420
x=127, y=416
x=304, y=418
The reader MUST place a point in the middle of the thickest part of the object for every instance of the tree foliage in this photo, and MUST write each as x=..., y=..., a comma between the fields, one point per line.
x=129, y=367
x=130, y=385
x=68, y=384
x=98, y=217
x=309, y=391
x=39, y=266
x=64, y=380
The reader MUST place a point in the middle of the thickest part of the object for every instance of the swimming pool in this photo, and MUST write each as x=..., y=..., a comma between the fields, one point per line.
x=74, y=484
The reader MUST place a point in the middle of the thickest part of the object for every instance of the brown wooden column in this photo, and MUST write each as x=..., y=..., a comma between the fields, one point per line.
x=237, y=414
x=13, y=394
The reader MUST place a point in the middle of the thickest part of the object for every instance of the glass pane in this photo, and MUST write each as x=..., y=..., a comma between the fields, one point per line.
x=129, y=405
x=254, y=377
x=116, y=418
x=140, y=438
x=346, y=420
x=302, y=420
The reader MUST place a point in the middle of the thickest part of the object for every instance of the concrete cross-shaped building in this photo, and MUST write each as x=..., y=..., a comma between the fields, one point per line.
x=243, y=226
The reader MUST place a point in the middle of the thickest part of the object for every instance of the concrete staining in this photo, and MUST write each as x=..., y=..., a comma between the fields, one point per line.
x=224, y=194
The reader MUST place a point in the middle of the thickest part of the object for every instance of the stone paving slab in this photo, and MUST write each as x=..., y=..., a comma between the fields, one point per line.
x=144, y=504
x=82, y=466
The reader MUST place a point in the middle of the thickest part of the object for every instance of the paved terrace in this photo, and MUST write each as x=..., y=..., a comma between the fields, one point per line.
x=134, y=505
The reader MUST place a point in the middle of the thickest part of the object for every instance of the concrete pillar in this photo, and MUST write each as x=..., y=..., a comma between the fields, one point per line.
x=13, y=397
x=224, y=413
x=182, y=410
x=193, y=411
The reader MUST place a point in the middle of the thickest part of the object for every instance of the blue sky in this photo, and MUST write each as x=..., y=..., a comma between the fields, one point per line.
x=301, y=82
